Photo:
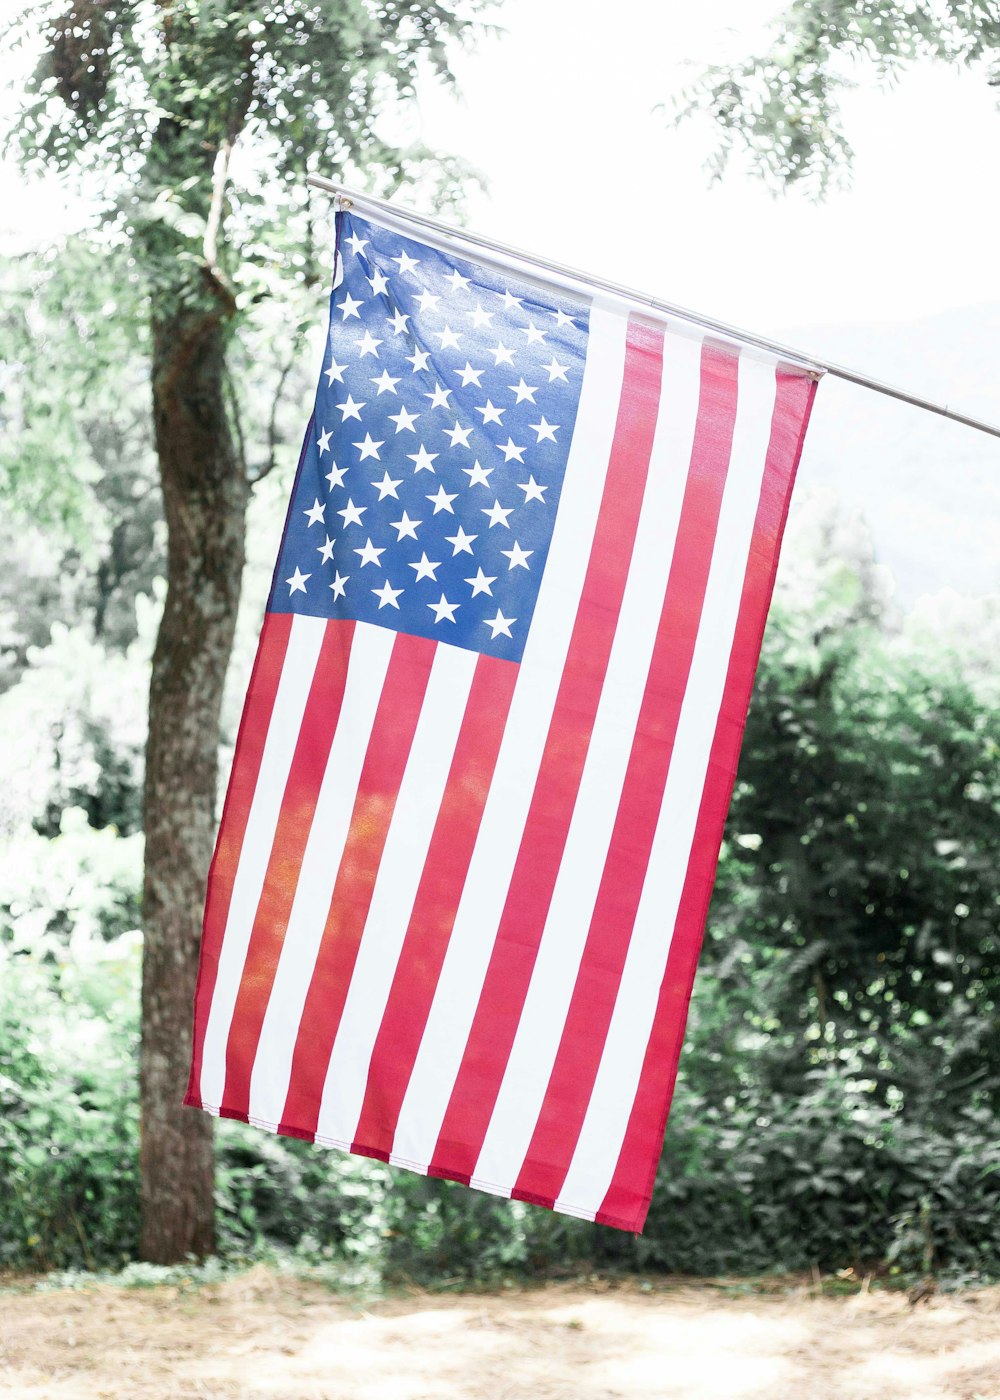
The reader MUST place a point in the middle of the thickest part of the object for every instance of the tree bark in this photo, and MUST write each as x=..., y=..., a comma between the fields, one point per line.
x=205, y=495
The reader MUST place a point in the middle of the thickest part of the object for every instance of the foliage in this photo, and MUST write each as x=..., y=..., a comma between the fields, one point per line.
x=83, y=706
x=81, y=508
x=782, y=107
x=840, y=1090
x=68, y=1110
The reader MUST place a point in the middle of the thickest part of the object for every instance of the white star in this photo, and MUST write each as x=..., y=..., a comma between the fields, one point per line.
x=478, y=476
x=501, y=355
x=490, y=414
x=532, y=490
x=448, y=338
x=425, y=568
x=316, y=513
x=442, y=501
x=479, y=317
x=510, y=450
x=352, y=514
x=443, y=609
x=387, y=596
x=324, y=441
x=470, y=376
x=497, y=514
x=379, y=283
x=405, y=528
x=459, y=435
x=518, y=557
x=546, y=431
x=462, y=543
x=358, y=244
x=406, y=263
x=368, y=345
x=385, y=383
x=556, y=371
x=428, y=301
x=423, y=460
x=297, y=582
x=524, y=391
x=350, y=409
x=369, y=554
x=511, y=303
x=458, y=282
x=387, y=487
x=439, y=398
x=335, y=476
x=501, y=625
x=334, y=372
x=368, y=448
x=481, y=583
x=418, y=360
x=404, y=421
x=337, y=585
x=326, y=550
x=399, y=323
x=348, y=307
x=533, y=333
x=562, y=319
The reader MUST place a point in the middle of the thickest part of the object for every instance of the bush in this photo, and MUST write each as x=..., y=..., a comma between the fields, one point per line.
x=68, y=1105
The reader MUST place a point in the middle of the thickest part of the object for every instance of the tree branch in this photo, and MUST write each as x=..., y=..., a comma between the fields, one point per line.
x=268, y=464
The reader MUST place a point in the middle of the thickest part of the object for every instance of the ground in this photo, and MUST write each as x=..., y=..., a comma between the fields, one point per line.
x=265, y=1336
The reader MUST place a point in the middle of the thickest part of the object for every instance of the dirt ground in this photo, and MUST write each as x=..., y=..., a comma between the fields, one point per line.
x=264, y=1335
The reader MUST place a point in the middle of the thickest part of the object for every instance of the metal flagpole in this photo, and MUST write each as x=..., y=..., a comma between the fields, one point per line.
x=809, y=362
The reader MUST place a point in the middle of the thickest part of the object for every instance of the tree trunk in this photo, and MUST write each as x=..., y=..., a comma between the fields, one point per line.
x=205, y=498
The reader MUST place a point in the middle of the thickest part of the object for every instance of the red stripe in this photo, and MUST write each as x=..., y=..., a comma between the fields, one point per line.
x=589, y=1016
x=305, y=777
x=543, y=842
x=432, y=919
x=254, y=724
x=627, y=1200
x=388, y=749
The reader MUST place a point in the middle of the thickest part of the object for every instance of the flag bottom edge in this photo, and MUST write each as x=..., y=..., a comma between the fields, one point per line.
x=633, y=1224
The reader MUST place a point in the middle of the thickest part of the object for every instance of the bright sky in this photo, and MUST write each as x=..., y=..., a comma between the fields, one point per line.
x=560, y=114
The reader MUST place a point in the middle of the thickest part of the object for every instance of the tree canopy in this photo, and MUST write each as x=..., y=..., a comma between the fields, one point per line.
x=782, y=108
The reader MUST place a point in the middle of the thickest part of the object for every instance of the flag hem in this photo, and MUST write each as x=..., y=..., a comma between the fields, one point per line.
x=357, y=1149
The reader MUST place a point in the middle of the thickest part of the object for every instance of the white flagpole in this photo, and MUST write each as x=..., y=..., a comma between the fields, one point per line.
x=811, y=363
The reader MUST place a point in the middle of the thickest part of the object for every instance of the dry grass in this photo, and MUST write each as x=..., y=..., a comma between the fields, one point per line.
x=261, y=1335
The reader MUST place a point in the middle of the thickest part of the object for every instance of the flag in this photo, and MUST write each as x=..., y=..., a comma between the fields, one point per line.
x=492, y=729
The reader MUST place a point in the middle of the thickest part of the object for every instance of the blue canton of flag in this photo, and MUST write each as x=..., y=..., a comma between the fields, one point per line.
x=434, y=462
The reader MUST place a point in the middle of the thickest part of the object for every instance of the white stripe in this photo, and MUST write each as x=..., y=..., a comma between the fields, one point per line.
x=304, y=642
x=400, y=871
x=471, y=943
x=553, y=979
x=596, y=1155
x=371, y=649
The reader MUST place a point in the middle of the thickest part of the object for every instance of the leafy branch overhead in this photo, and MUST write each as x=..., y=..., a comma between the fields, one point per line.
x=155, y=95
x=782, y=110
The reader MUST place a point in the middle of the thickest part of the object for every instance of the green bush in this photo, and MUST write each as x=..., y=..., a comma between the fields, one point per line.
x=69, y=1105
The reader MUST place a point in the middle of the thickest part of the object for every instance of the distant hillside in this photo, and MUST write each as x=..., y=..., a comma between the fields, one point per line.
x=929, y=489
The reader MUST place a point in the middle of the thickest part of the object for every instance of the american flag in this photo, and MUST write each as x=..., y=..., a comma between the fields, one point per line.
x=492, y=729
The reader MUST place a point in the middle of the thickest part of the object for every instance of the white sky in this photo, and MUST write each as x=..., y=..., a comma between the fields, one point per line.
x=559, y=113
